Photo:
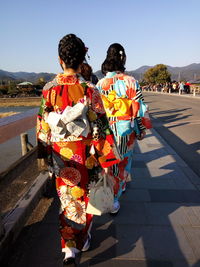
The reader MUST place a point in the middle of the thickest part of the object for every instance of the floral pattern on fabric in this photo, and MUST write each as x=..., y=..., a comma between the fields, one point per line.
x=70, y=176
x=67, y=232
x=123, y=102
x=75, y=211
x=77, y=192
x=65, y=79
x=75, y=161
x=66, y=153
x=97, y=104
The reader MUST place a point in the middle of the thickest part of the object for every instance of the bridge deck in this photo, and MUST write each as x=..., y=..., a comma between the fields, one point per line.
x=158, y=223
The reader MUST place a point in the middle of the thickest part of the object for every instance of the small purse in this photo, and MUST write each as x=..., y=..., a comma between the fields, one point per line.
x=101, y=198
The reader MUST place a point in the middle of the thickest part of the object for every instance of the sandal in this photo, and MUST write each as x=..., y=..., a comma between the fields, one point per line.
x=87, y=243
x=70, y=255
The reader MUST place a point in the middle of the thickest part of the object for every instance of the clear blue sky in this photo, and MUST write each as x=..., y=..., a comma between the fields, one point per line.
x=151, y=31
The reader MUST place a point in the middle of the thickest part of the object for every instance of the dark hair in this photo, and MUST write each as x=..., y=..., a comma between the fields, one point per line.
x=71, y=50
x=86, y=71
x=115, y=59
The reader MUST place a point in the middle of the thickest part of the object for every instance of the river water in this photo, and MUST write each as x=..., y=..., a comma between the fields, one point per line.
x=15, y=109
x=10, y=151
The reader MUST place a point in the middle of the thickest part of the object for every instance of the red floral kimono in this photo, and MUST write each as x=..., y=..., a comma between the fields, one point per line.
x=75, y=160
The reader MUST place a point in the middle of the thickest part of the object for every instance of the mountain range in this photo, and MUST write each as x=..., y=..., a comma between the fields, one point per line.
x=25, y=76
x=189, y=72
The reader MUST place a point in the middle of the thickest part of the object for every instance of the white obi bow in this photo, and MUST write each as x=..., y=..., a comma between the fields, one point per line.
x=73, y=121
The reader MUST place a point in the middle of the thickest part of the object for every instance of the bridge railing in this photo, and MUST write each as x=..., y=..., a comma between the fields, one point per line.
x=194, y=90
x=15, y=125
x=11, y=127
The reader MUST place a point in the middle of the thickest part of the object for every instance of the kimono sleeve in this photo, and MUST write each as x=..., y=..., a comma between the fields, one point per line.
x=43, y=129
x=103, y=138
x=143, y=114
x=141, y=117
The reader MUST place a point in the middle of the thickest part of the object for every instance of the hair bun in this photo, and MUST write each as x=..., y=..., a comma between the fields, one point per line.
x=72, y=51
x=115, y=59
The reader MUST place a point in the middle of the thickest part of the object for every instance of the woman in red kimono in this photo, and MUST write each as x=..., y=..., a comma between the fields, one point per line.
x=75, y=138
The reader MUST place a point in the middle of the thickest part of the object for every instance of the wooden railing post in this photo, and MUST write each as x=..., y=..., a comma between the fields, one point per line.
x=26, y=146
x=24, y=141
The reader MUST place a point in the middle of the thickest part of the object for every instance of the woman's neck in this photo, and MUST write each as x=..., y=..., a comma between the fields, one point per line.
x=69, y=72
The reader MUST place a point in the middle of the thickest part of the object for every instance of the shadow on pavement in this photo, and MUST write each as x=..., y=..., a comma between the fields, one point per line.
x=157, y=226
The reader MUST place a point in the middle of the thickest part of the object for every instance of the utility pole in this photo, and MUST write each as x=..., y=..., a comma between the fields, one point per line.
x=140, y=79
x=179, y=76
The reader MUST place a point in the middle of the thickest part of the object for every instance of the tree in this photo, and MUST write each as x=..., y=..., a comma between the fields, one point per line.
x=40, y=83
x=157, y=74
x=12, y=88
x=3, y=89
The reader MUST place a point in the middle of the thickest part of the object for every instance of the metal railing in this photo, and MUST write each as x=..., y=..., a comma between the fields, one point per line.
x=195, y=91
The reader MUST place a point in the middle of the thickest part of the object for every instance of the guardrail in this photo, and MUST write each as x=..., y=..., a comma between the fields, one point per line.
x=11, y=127
x=193, y=91
x=15, y=125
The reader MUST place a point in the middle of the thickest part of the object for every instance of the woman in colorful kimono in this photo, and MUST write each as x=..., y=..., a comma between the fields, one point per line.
x=126, y=112
x=75, y=139
x=87, y=73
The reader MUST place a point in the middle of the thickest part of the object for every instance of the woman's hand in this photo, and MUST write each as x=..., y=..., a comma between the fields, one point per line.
x=106, y=170
x=86, y=101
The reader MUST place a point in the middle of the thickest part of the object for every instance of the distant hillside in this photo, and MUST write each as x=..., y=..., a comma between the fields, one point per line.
x=25, y=76
x=187, y=73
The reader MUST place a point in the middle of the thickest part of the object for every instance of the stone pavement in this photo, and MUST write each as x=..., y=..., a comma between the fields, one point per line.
x=158, y=224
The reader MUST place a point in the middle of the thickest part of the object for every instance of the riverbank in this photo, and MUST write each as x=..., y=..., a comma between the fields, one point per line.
x=7, y=114
x=21, y=101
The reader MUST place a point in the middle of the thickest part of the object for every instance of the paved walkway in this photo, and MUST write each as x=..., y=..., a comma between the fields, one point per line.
x=158, y=224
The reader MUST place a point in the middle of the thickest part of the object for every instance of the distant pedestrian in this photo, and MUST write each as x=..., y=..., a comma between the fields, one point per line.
x=187, y=88
x=181, y=87
x=125, y=109
x=174, y=86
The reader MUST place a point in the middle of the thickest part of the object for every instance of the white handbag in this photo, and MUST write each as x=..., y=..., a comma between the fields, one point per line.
x=101, y=198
